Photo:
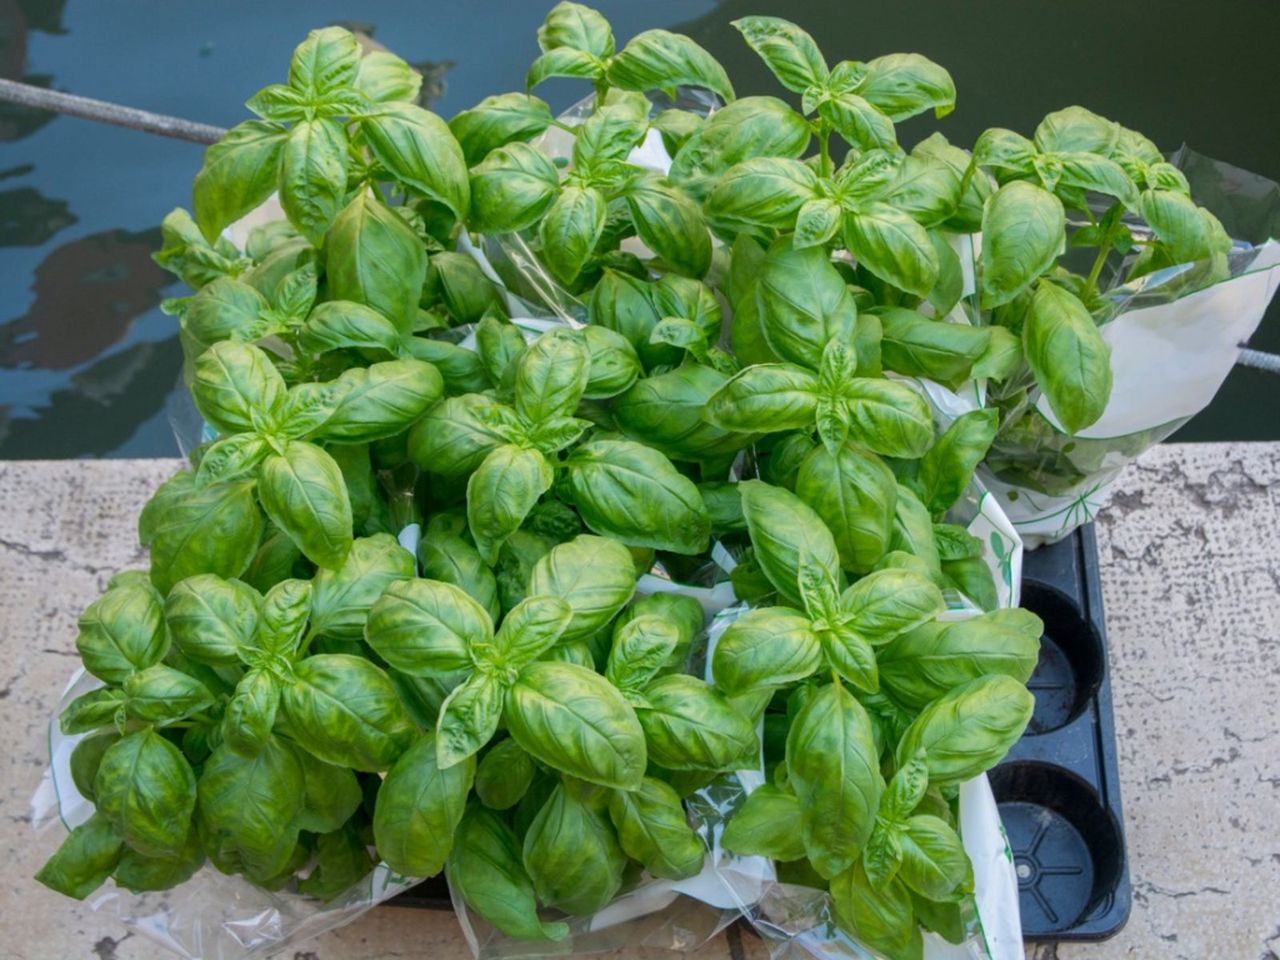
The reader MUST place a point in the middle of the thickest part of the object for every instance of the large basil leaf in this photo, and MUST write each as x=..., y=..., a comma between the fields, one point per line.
x=627, y=305
x=632, y=492
x=145, y=787
x=747, y=128
x=947, y=467
x=804, y=304
x=418, y=809
x=382, y=76
x=788, y=51
x=84, y=860
x=1071, y=361
x=886, y=603
x=923, y=664
x=889, y=418
x=970, y=729
x=574, y=720
x=122, y=632
x=671, y=225
x=895, y=248
x=834, y=768
x=1023, y=230
x=533, y=626
x=161, y=694
x=666, y=410
x=572, y=855
x=496, y=121
x=504, y=775
x=486, y=867
x=761, y=192
x=344, y=710
x=330, y=794
x=373, y=257
x=854, y=492
x=469, y=717
x=92, y=711
x=249, y=808
x=341, y=324
x=313, y=175
x=934, y=862
x=500, y=494
x=788, y=536
x=341, y=598
x=768, y=824
x=906, y=84
x=614, y=366
x=652, y=829
x=690, y=726
x=250, y=714
x=641, y=647
x=661, y=60
x=238, y=174
x=419, y=150
x=764, y=648
x=325, y=61
x=570, y=229
x=236, y=388
x=595, y=575
x=880, y=916
x=916, y=346
x=424, y=627
x=551, y=377
x=455, y=436
x=225, y=309
x=454, y=560
x=303, y=493
x=765, y=397
x=512, y=188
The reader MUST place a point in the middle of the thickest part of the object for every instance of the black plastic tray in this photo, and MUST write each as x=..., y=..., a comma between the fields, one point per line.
x=1059, y=790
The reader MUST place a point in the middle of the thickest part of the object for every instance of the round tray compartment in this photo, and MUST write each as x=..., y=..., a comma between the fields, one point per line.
x=1068, y=852
x=1072, y=659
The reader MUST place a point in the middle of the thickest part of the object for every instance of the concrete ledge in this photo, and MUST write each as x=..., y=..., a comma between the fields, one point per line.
x=1191, y=574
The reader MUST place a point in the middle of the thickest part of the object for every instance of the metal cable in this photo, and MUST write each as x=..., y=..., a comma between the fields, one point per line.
x=26, y=95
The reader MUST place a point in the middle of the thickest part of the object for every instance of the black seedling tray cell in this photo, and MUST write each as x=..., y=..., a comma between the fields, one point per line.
x=1059, y=789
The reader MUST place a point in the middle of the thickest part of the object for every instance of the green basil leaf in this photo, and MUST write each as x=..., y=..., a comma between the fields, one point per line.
x=594, y=575
x=564, y=62
x=87, y=756
x=238, y=174
x=455, y=436
x=215, y=529
x=462, y=369
x=834, y=768
x=893, y=247
x=652, y=829
x=85, y=859
x=249, y=807
x=761, y=192
x=551, y=377
x=1088, y=171
x=747, y=128
x=764, y=648
x=572, y=855
x=344, y=710
x=455, y=561
x=666, y=411
x=969, y=730
x=688, y=725
x=92, y=711
x=661, y=60
x=1023, y=229
x=614, y=365
x=787, y=536
x=880, y=917
x=628, y=306
x=913, y=531
x=1010, y=154
x=500, y=494
x=976, y=187
x=421, y=153
x=1071, y=361
x=671, y=224
x=860, y=122
x=303, y=493
x=923, y=664
x=765, y=397
x=121, y=633
x=788, y=52
x=532, y=627
x=285, y=610
x=1002, y=357
x=419, y=808
x=145, y=787
x=161, y=694
x=342, y=324
x=485, y=865
x=947, y=467
x=632, y=493
x=934, y=863
x=886, y=603
x=236, y=387
x=496, y=122
x=641, y=647
x=469, y=717
x=606, y=138
x=804, y=304
x=889, y=418
x=851, y=656
x=382, y=77
x=570, y=229
x=854, y=492
x=425, y=627
x=511, y=189
x=504, y=775
x=817, y=222
x=906, y=84
x=917, y=346
x=575, y=721
x=1077, y=129
x=373, y=257
x=251, y=712
x=313, y=176
x=341, y=599
x=768, y=824
x=225, y=309
x=577, y=27
x=326, y=60
x=230, y=458
x=139, y=874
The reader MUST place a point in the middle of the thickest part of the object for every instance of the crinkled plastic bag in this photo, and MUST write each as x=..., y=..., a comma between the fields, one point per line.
x=1173, y=341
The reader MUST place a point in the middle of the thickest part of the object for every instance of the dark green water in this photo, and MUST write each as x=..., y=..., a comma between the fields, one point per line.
x=87, y=361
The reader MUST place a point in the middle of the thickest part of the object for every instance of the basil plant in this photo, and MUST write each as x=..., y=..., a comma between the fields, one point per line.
x=291, y=695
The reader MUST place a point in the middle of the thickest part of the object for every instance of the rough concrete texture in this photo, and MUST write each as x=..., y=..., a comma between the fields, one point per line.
x=1191, y=572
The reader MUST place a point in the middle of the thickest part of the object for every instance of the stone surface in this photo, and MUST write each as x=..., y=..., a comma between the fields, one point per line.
x=1191, y=573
